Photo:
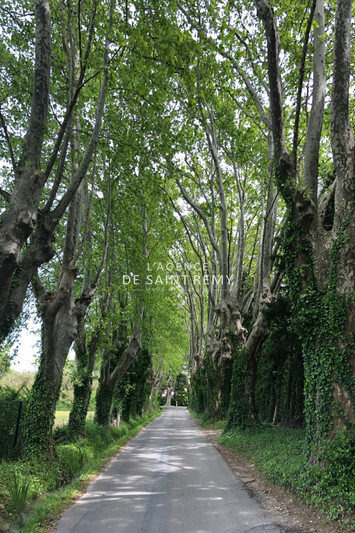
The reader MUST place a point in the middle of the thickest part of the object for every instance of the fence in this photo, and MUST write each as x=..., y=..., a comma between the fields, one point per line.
x=11, y=424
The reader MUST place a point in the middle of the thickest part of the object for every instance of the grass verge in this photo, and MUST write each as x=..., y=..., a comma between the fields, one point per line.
x=62, y=417
x=280, y=455
x=52, y=487
x=207, y=423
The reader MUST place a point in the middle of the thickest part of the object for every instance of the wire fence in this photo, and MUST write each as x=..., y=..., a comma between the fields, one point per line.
x=11, y=426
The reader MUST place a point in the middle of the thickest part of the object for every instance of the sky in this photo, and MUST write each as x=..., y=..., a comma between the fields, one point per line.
x=26, y=351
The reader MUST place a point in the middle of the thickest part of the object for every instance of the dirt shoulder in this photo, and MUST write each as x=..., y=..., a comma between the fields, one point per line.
x=286, y=508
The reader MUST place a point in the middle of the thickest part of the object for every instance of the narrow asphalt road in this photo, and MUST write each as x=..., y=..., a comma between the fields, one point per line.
x=169, y=479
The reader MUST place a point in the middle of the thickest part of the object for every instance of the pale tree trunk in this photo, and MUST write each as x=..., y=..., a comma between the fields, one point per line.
x=109, y=379
x=156, y=380
x=320, y=258
x=18, y=221
x=169, y=393
x=22, y=218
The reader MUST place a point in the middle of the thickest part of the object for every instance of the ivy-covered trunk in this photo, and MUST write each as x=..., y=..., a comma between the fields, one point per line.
x=319, y=238
x=104, y=397
x=114, y=366
x=322, y=317
x=40, y=414
x=85, y=359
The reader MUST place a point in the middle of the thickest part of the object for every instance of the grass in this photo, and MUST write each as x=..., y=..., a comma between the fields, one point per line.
x=19, y=492
x=62, y=417
x=208, y=423
x=51, y=487
x=280, y=455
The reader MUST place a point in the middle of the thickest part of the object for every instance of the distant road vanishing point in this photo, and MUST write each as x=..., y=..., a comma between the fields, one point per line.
x=169, y=479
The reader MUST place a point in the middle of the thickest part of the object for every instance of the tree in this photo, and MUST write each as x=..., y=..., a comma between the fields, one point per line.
x=38, y=196
x=319, y=250
x=60, y=312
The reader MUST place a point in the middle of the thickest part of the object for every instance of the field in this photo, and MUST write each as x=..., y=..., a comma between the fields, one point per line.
x=62, y=417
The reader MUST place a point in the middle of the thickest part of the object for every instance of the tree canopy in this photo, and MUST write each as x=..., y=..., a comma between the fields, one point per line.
x=177, y=196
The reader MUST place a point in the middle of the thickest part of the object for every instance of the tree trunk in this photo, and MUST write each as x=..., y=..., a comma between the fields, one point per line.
x=109, y=379
x=19, y=219
x=320, y=258
x=46, y=388
x=85, y=357
x=169, y=393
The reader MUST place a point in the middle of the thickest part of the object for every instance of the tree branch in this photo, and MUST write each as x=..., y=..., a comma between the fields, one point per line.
x=300, y=83
x=341, y=132
x=8, y=141
x=314, y=130
x=38, y=118
x=282, y=157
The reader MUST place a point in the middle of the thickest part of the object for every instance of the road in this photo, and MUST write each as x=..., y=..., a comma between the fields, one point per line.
x=169, y=479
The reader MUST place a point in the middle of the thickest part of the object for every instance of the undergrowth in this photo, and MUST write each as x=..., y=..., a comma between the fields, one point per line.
x=281, y=455
x=207, y=422
x=51, y=486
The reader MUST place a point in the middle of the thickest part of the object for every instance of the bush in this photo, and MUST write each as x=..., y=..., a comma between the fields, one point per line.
x=73, y=456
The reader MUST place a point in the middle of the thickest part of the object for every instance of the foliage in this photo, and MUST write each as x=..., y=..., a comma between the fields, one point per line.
x=180, y=386
x=281, y=455
x=239, y=406
x=78, y=460
x=280, y=381
x=198, y=386
x=132, y=393
x=17, y=380
x=188, y=103
x=12, y=408
x=19, y=492
x=205, y=390
x=5, y=360
x=326, y=351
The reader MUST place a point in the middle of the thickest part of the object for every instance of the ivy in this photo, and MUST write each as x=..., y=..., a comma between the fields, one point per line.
x=239, y=407
x=211, y=390
x=319, y=315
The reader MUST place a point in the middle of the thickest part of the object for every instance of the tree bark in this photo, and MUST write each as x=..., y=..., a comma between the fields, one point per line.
x=109, y=379
x=320, y=260
x=18, y=221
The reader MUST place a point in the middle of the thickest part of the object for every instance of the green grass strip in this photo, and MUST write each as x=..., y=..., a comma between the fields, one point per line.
x=83, y=460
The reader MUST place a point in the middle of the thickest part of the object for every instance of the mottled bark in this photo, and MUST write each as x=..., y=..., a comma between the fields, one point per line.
x=20, y=217
x=109, y=379
x=85, y=352
x=324, y=254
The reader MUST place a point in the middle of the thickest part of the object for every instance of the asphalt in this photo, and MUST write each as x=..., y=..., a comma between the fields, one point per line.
x=169, y=479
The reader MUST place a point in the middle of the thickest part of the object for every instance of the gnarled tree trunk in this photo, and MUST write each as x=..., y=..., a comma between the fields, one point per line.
x=320, y=255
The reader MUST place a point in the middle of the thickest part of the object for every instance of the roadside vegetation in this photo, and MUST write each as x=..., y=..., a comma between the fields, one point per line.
x=33, y=493
x=177, y=197
x=279, y=454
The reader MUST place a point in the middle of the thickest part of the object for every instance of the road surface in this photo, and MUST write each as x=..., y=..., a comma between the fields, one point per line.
x=169, y=479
